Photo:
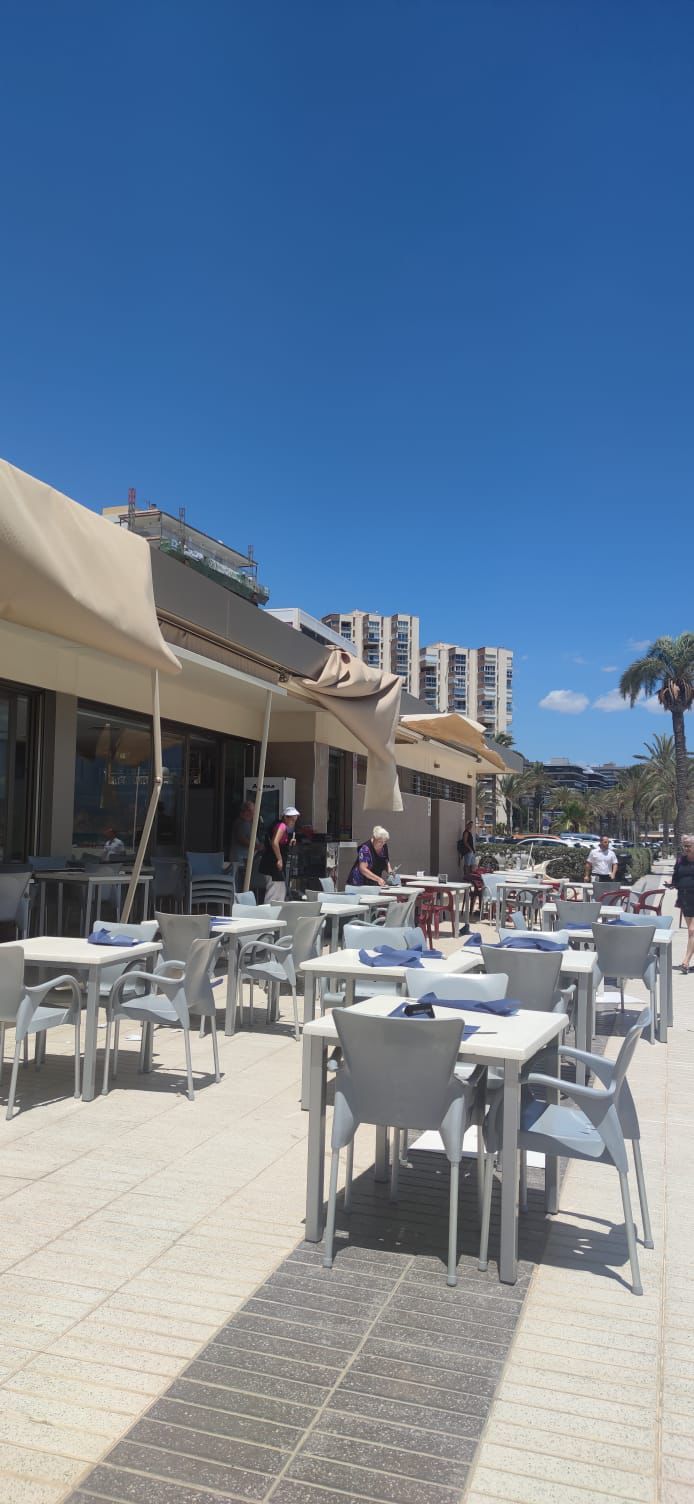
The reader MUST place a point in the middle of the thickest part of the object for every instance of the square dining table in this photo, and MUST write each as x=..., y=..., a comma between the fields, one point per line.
x=96, y=884
x=581, y=967
x=662, y=940
x=62, y=953
x=505, y=1042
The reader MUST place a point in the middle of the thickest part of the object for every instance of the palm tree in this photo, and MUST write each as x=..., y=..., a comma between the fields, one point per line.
x=571, y=808
x=659, y=773
x=512, y=789
x=635, y=793
x=667, y=670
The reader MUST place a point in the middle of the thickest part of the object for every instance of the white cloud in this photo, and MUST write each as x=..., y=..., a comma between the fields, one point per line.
x=611, y=701
x=653, y=704
x=566, y=701
x=610, y=668
x=639, y=647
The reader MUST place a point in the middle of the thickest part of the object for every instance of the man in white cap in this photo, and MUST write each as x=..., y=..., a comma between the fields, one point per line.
x=272, y=863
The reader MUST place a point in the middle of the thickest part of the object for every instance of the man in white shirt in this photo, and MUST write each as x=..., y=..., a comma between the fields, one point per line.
x=601, y=861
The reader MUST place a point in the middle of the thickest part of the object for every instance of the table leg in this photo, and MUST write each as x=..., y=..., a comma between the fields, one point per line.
x=42, y=909
x=582, y=1013
x=551, y=1161
x=334, y=933
x=456, y=913
x=381, y=1155
x=232, y=985
x=467, y=903
x=90, y=1035
x=99, y=892
x=60, y=908
x=315, y=1167
x=88, y=915
x=508, y=1256
x=665, y=1010
x=309, y=997
x=502, y=909
x=546, y=920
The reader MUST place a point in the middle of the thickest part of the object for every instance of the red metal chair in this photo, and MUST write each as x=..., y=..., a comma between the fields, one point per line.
x=644, y=906
x=619, y=898
x=427, y=916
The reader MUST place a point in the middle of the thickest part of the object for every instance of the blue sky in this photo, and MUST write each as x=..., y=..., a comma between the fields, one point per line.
x=401, y=292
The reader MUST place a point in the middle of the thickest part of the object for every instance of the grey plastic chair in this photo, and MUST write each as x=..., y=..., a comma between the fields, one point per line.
x=396, y=1072
x=146, y=930
x=361, y=935
x=257, y=911
x=167, y=1002
x=661, y=921
x=402, y=914
x=490, y=896
x=276, y=964
x=625, y=953
x=246, y=900
x=14, y=900
x=577, y=911
x=519, y=920
x=214, y=895
x=179, y=931
x=205, y=863
x=533, y=977
x=593, y=1128
x=327, y=884
x=170, y=881
x=24, y=1008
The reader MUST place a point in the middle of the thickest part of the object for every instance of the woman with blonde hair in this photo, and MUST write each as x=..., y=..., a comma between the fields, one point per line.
x=683, y=881
x=373, y=862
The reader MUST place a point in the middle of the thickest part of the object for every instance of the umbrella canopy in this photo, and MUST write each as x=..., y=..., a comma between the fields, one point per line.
x=367, y=703
x=66, y=571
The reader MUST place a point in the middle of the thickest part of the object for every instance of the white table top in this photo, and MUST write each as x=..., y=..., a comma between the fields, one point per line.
x=247, y=926
x=433, y=882
x=346, y=963
x=65, y=950
x=661, y=938
x=577, y=962
x=519, y=881
x=346, y=909
x=607, y=910
x=515, y=1038
x=384, y=895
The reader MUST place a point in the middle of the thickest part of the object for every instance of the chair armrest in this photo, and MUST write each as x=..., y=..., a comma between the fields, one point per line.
x=600, y=1067
x=153, y=980
x=38, y=993
x=567, y=1088
x=164, y=969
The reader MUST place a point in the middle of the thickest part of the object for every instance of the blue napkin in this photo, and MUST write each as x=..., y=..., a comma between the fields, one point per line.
x=503, y=1006
x=399, y=1012
x=474, y=938
x=585, y=926
x=625, y=921
x=103, y=937
x=412, y=950
x=387, y=956
x=529, y=942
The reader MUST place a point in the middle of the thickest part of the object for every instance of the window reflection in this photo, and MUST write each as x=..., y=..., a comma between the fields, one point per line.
x=112, y=780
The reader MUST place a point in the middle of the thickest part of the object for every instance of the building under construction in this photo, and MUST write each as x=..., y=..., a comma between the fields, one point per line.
x=174, y=535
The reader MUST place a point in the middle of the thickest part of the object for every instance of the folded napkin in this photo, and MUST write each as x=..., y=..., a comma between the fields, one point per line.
x=104, y=937
x=502, y=1006
x=585, y=926
x=621, y=920
x=386, y=955
x=529, y=942
x=474, y=938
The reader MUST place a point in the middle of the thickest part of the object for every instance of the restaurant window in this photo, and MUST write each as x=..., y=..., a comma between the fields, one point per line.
x=112, y=779
x=340, y=766
x=17, y=741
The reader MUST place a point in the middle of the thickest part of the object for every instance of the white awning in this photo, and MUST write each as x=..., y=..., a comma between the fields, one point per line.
x=66, y=571
x=456, y=730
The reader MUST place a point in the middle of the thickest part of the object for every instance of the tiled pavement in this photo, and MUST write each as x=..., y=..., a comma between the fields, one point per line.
x=135, y=1230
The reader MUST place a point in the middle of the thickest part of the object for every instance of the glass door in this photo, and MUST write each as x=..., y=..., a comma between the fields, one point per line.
x=15, y=774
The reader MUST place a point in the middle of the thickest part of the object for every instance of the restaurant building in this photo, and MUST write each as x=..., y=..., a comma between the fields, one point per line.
x=76, y=735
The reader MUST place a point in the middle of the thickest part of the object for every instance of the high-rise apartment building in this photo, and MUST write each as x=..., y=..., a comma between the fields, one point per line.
x=386, y=642
x=477, y=682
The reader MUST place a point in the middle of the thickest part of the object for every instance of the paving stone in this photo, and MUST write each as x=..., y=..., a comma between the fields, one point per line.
x=199, y=1440
x=386, y=1488
x=403, y=1436
x=425, y=1416
x=220, y=1356
x=199, y=1472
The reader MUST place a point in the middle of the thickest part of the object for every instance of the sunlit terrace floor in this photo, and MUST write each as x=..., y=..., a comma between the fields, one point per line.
x=168, y=1338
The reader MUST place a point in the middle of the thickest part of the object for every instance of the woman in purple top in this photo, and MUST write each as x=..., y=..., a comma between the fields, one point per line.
x=373, y=862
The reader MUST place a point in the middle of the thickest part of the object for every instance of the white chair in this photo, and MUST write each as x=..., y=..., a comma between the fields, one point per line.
x=24, y=1008
x=167, y=1002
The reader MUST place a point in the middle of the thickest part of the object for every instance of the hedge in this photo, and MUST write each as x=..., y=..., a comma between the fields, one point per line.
x=569, y=863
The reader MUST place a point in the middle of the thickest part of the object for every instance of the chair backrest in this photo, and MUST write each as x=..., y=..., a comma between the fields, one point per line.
x=628, y=1046
x=661, y=921
x=295, y=911
x=248, y=900
x=401, y=914
x=170, y=875
x=146, y=930
x=622, y=949
x=577, y=911
x=179, y=932
x=642, y=884
x=491, y=883
x=215, y=894
x=48, y=863
x=457, y=985
x=603, y=885
x=14, y=887
x=361, y=936
x=519, y=920
x=205, y=863
x=306, y=937
x=196, y=981
x=399, y=1071
x=259, y=911
x=11, y=982
x=327, y=884
x=533, y=975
